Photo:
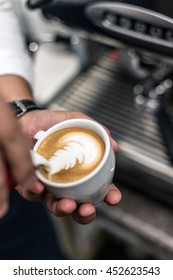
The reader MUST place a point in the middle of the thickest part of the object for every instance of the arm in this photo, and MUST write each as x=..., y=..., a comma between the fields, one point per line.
x=14, y=87
x=15, y=163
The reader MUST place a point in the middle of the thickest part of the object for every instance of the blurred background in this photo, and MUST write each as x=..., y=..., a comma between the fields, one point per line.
x=113, y=61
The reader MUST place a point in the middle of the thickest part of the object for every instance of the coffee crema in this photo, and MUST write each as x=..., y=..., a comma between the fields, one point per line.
x=73, y=153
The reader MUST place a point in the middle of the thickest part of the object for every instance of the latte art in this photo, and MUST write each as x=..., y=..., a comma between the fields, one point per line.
x=72, y=154
x=79, y=148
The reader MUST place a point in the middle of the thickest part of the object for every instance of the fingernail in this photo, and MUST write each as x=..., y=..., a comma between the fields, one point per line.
x=4, y=207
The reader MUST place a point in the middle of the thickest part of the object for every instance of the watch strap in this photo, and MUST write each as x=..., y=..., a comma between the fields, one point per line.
x=21, y=107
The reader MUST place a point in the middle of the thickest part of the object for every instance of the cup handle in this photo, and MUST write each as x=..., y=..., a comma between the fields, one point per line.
x=39, y=134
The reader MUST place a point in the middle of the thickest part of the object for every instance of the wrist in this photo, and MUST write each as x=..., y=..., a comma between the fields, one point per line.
x=23, y=106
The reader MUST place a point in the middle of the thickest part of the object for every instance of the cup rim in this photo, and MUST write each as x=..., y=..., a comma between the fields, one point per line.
x=67, y=123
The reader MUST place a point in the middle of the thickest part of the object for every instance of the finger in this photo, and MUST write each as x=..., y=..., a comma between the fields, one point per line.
x=113, y=142
x=59, y=207
x=114, y=196
x=34, y=192
x=85, y=213
x=4, y=205
x=15, y=146
x=114, y=145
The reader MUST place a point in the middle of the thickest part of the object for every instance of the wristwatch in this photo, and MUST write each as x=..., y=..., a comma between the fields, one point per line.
x=21, y=107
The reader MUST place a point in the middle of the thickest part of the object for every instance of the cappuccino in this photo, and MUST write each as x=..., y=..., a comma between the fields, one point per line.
x=72, y=152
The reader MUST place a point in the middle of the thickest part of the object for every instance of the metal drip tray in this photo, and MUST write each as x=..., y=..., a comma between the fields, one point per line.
x=105, y=93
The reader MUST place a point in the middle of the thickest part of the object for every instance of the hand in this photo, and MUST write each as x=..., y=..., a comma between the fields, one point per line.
x=84, y=213
x=15, y=163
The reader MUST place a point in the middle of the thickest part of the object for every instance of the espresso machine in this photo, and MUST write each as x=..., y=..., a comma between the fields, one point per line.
x=128, y=83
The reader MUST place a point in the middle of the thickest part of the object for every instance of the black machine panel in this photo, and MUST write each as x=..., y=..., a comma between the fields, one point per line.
x=142, y=23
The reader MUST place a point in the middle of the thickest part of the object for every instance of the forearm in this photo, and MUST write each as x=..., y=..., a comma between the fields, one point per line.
x=13, y=87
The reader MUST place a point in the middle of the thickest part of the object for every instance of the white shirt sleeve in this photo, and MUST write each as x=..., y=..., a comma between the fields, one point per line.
x=14, y=58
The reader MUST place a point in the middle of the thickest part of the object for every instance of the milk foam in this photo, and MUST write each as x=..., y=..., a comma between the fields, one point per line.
x=78, y=148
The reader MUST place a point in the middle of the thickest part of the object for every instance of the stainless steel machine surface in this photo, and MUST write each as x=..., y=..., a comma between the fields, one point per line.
x=144, y=171
x=106, y=94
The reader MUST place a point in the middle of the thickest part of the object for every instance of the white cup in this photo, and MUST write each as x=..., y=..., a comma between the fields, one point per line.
x=94, y=186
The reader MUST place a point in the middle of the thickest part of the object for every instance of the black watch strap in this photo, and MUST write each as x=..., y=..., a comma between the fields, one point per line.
x=21, y=107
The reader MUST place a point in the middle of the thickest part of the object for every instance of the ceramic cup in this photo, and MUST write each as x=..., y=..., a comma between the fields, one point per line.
x=94, y=186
